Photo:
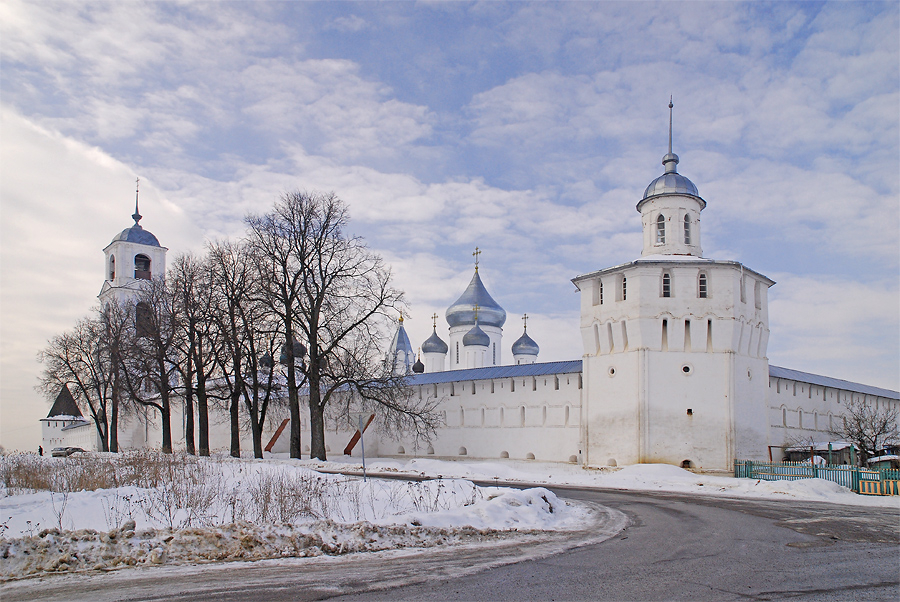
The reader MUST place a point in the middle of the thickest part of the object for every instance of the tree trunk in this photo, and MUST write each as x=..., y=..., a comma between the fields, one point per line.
x=293, y=403
x=189, y=418
x=316, y=420
x=235, y=422
x=165, y=417
x=114, y=422
x=256, y=428
x=203, y=416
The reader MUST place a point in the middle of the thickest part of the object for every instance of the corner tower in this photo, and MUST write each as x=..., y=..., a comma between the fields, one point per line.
x=134, y=255
x=675, y=367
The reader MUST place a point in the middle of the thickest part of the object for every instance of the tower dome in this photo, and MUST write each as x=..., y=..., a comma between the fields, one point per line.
x=136, y=233
x=434, y=344
x=476, y=337
x=462, y=312
x=525, y=345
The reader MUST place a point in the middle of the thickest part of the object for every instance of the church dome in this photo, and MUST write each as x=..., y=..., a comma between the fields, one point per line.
x=671, y=183
x=525, y=345
x=462, y=312
x=137, y=235
x=477, y=337
x=418, y=367
x=434, y=344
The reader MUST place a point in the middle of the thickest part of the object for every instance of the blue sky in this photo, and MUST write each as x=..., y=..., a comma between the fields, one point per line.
x=529, y=130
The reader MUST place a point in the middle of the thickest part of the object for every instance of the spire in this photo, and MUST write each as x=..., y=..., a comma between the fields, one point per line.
x=137, y=214
x=671, y=159
x=475, y=255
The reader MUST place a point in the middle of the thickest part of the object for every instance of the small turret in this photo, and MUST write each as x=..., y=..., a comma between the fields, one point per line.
x=525, y=350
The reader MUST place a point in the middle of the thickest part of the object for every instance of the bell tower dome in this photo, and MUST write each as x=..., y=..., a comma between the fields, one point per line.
x=670, y=210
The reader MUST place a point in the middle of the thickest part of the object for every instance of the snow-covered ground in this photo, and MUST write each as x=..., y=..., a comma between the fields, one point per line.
x=242, y=509
x=643, y=477
x=245, y=509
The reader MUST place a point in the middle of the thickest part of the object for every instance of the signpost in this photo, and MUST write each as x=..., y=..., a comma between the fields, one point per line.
x=362, y=419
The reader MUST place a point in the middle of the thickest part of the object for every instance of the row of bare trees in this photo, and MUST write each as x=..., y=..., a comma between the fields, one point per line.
x=297, y=311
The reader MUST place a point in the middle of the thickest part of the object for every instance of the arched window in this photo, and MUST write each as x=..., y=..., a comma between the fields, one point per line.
x=687, y=229
x=142, y=267
x=666, y=285
x=660, y=229
x=702, y=290
x=143, y=319
x=112, y=267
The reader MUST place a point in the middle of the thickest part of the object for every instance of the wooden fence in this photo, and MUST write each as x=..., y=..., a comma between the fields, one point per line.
x=859, y=480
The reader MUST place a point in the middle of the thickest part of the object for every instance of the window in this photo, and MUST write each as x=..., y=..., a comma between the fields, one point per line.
x=757, y=295
x=494, y=361
x=112, y=267
x=666, y=285
x=624, y=288
x=660, y=229
x=142, y=267
x=457, y=352
x=702, y=291
x=687, y=229
x=601, y=292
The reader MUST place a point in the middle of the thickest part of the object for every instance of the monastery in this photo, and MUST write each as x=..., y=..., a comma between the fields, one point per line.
x=674, y=367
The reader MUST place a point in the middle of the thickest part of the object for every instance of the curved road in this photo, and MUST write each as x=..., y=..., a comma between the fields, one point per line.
x=670, y=547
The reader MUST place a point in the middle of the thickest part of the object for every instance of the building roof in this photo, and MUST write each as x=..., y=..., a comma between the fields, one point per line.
x=537, y=369
x=64, y=405
x=137, y=234
x=462, y=312
x=833, y=383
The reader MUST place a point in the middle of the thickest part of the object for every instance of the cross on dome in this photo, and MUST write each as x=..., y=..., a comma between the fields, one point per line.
x=475, y=255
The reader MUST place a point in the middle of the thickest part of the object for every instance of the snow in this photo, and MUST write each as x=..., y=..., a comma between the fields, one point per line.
x=249, y=510
x=641, y=477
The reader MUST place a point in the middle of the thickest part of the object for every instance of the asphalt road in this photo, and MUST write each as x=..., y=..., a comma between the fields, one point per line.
x=672, y=547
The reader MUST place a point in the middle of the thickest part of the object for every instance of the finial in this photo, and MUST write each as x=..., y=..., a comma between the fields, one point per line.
x=525, y=321
x=434, y=320
x=475, y=308
x=137, y=214
x=401, y=319
x=475, y=255
x=671, y=159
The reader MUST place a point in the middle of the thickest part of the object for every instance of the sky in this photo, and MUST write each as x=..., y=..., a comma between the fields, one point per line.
x=527, y=130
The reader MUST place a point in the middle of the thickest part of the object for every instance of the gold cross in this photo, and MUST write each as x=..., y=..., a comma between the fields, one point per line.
x=475, y=255
x=525, y=320
x=475, y=308
x=434, y=320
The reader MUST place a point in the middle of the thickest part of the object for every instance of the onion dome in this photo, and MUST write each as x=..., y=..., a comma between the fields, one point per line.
x=299, y=352
x=477, y=337
x=434, y=344
x=462, y=312
x=418, y=367
x=525, y=345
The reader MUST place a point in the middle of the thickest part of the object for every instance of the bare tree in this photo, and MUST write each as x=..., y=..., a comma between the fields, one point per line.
x=871, y=429
x=149, y=367
x=330, y=289
x=81, y=358
x=117, y=320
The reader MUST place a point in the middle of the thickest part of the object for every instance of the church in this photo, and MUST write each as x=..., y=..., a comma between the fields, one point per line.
x=674, y=367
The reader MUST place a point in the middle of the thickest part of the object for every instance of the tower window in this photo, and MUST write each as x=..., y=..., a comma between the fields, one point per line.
x=457, y=352
x=142, y=267
x=660, y=229
x=601, y=292
x=687, y=229
x=624, y=288
x=112, y=267
x=494, y=348
x=666, y=285
x=702, y=291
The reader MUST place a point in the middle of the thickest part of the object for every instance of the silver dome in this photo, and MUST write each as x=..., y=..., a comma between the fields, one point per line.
x=137, y=235
x=434, y=344
x=476, y=336
x=525, y=345
x=671, y=183
x=462, y=312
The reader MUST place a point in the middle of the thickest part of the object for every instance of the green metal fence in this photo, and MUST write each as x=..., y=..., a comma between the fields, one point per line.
x=859, y=480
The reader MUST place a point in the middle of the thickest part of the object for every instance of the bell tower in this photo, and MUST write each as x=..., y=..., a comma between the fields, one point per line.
x=133, y=256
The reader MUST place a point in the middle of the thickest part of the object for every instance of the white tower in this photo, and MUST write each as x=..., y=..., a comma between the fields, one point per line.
x=674, y=344
x=133, y=256
x=461, y=316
